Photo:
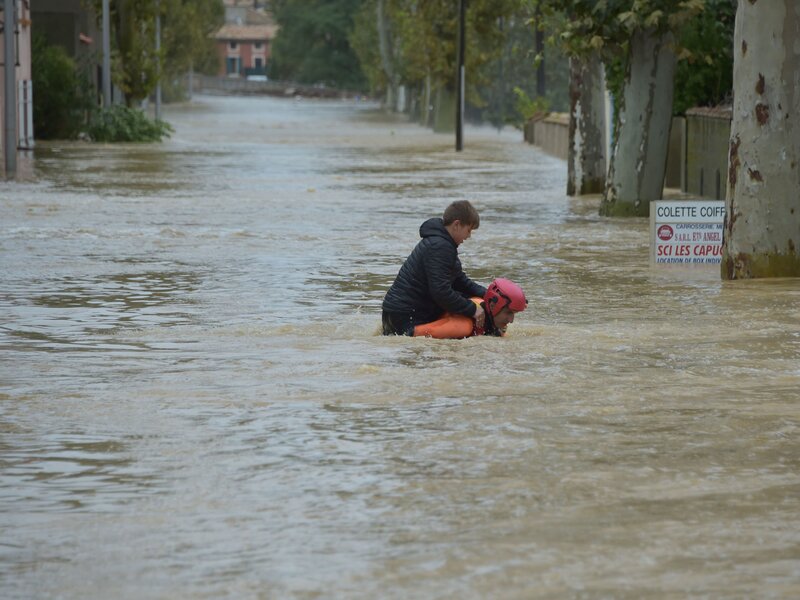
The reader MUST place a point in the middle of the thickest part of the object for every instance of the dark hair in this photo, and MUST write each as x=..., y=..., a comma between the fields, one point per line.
x=462, y=210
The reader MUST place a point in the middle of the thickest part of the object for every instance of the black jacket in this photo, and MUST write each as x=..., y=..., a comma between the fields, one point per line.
x=431, y=281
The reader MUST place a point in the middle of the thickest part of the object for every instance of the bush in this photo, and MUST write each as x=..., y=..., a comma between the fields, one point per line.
x=62, y=97
x=120, y=123
x=705, y=78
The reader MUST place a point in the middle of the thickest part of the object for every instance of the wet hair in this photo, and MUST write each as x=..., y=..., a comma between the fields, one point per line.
x=462, y=210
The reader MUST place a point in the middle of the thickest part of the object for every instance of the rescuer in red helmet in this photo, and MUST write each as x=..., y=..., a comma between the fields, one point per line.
x=500, y=303
x=503, y=300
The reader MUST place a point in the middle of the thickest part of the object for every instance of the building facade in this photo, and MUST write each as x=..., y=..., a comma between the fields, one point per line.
x=244, y=49
x=244, y=43
x=22, y=95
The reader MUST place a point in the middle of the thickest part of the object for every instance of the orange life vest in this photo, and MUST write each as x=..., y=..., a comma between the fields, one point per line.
x=449, y=327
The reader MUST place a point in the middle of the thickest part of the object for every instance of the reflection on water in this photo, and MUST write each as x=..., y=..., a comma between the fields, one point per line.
x=195, y=402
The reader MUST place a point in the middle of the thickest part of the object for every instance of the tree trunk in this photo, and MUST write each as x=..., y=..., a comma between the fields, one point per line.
x=426, y=114
x=586, y=161
x=387, y=56
x=639, y=158
x=444, y=110
x=762, y=223
x=135, y=31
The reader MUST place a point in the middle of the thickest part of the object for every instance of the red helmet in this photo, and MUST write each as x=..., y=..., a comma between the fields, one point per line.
x=502, y=293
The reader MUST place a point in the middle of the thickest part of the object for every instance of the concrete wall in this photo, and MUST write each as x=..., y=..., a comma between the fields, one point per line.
x=697, y=159
x=550, y=133
x=675, y=175
x=708, y=133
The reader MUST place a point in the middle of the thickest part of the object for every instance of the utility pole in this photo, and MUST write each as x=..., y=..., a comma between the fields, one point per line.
x=158, y=59
x=462, y=9
x=10, y=80
x=106, y=55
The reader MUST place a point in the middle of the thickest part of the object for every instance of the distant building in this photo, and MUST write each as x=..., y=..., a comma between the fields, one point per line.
x=244, y=43
x=22, y=95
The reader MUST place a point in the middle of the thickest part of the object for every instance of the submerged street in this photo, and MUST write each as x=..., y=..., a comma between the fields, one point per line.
x=195, y=403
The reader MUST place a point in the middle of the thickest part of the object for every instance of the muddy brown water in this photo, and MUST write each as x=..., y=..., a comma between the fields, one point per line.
x=194, y=402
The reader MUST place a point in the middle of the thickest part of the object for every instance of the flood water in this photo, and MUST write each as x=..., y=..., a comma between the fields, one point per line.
x=194, y=402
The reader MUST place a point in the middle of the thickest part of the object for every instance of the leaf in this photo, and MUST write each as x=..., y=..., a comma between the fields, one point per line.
x=654, y=18
x=628, y=19
x=596, y=42
x=693, y=5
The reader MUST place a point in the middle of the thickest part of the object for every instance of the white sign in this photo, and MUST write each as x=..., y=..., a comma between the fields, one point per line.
x=686, y=232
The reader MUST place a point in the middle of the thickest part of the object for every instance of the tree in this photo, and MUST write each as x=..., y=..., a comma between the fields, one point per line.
x=645, y=33
x=513, y=90
x=313, y=45
x=187, y=26
x=586, y=156
x=639, y=155
x=187, y=35
x=412, y=43
x=704, y=76
x=136, y=66
x=762, y=222
x=587, y=32
x=638, y=36
x=373, y=40
x=388, y=52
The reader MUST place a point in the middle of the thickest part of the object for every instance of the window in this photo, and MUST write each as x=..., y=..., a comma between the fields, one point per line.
x=233, y=45
x=257, y=45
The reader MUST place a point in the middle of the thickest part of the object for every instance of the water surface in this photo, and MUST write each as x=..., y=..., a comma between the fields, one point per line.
x=194, y=402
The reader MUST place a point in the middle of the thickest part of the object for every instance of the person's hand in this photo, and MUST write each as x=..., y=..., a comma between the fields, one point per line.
x=480, y=316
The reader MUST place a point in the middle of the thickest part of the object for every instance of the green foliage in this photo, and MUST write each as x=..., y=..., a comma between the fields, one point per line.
x=500, y=52
x=187, y=29
x=136, y=66
x=703, y=29
x=514, y=71
x=365, y=43
x=124, y=124
x=62, y=95
x=527, y=107
x=186, y=41
x=313, y=43
x=583, y=27
x=705, y=75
